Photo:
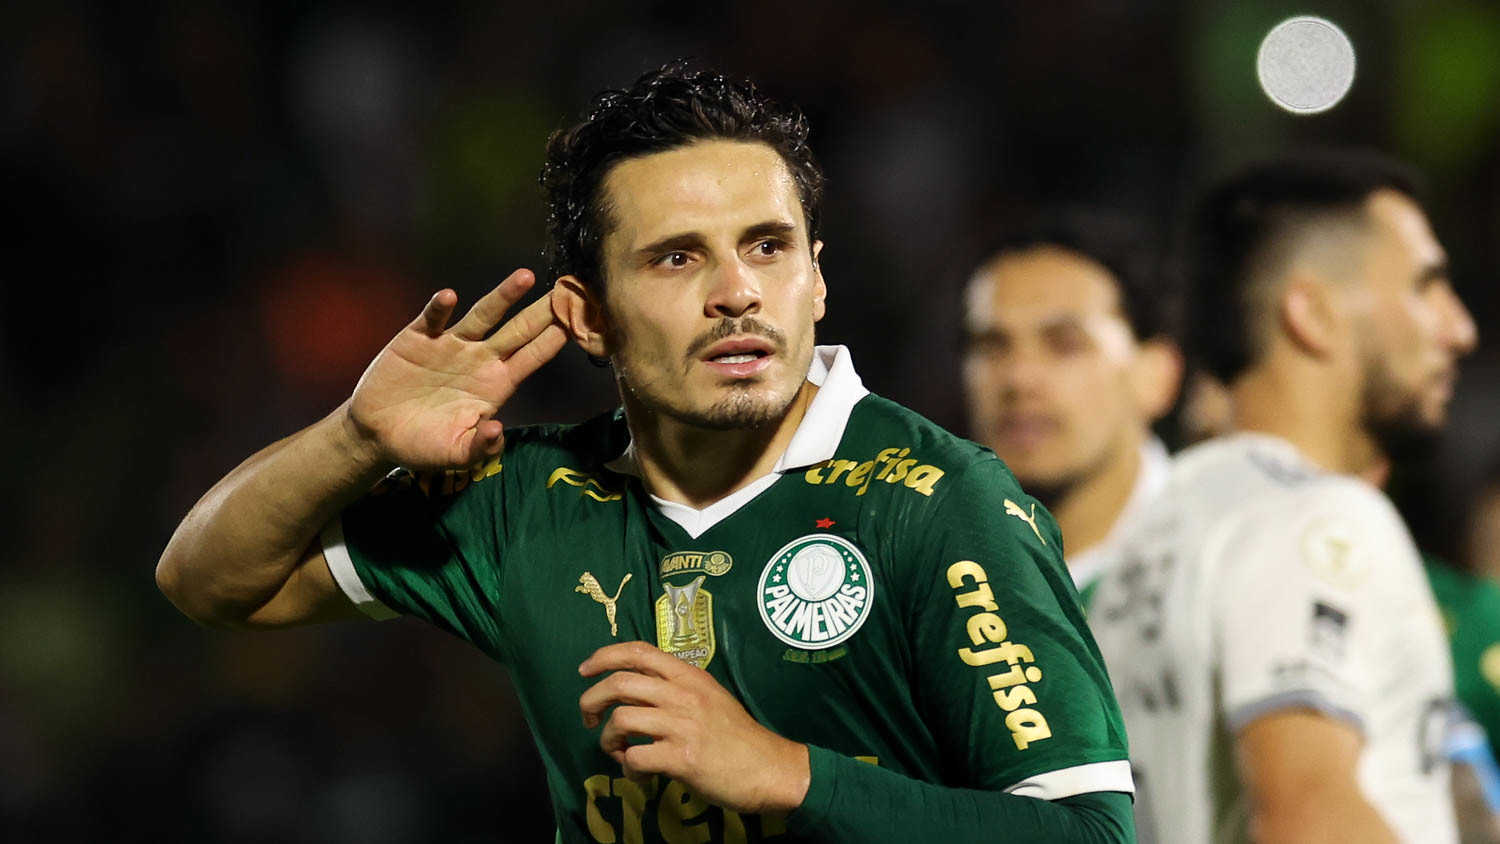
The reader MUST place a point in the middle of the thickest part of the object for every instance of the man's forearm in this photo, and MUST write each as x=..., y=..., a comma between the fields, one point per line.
x=853, y=801
x=243, y=540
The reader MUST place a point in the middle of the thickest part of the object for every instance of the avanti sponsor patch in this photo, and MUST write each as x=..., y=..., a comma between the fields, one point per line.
x=816, y=591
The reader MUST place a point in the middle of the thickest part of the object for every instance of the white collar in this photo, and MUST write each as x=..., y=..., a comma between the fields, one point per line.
x=815, y=440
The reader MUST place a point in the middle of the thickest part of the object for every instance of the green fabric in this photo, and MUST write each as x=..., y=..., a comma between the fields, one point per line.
x=851, y=801
x=1086, y=594
x=1471, y=612
x=951, y=566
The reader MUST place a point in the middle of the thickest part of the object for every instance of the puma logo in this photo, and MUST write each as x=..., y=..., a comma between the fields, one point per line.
x=1014, y=509
x=589, y=585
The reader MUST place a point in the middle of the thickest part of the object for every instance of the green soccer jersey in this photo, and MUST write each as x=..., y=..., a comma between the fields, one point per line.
x=1471, y=612
x=889, y=593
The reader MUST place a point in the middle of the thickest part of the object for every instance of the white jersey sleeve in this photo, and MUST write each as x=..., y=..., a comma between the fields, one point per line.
x=1299, y=602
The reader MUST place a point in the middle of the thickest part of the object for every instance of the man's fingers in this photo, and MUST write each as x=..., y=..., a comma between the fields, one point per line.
x=629, y=722
x=634, y=656
x=530, y=357
x=488, y=311
x=434, y=316
x=522, y=328
x=621, y=687
x=484, y=441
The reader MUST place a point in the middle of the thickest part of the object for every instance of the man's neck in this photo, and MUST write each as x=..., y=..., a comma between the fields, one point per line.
x=1311, y=410
x=1087, y=512
x=698, y=466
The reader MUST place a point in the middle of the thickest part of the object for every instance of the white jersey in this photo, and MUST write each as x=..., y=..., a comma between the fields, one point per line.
x=1257, y=582
x=1089, y=565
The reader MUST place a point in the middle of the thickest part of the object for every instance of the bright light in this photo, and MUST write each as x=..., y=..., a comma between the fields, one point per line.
x=1305, y=65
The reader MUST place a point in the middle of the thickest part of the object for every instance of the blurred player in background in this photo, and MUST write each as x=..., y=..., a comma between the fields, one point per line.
x=1070, y=358
x=1271, y=635
x=823, y=573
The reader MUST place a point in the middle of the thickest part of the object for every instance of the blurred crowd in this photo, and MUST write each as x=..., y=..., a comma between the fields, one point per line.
x=221, y=211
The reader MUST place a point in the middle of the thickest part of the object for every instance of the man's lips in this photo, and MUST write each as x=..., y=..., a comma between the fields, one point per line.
x=739, y=357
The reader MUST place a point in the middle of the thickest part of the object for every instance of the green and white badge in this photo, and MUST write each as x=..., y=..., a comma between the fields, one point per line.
x=816, y=591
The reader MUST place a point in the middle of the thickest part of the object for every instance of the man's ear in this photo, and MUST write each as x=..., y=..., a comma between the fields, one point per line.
x=820, y=289
x=581, y=314
x=1156, y=376
x=1309, y=316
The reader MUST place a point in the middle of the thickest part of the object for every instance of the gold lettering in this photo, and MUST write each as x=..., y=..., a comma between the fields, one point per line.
x=965, y=568
x=678, y=805
x=1015, y=675
x=837, y=468
x=633, y=800
x=985, y=627
x=813, y=475
x=980, y=597
x=859, y=475
x=595, y=787
x=1013, y=699
x=1027, y=726
x=887, y=457
x=986, y=657
x=869, y=760
x=901, y=469
x=734, y=828
x=924, y=478
x=488, y=469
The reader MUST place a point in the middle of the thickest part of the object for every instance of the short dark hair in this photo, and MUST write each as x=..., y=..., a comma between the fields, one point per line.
x=1128, y=250
x=664, y=109
x=1237, y=222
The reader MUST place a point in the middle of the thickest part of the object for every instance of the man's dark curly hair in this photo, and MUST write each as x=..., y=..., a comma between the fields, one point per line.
x=664, y=109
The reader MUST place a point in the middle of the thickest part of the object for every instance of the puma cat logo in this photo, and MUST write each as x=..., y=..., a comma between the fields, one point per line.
x=1014, y=509
x=589, y=585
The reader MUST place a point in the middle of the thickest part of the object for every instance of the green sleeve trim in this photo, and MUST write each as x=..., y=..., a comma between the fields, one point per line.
x=848, y=801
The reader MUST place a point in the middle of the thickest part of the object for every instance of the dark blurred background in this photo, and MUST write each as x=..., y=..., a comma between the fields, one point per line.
x=220, y=211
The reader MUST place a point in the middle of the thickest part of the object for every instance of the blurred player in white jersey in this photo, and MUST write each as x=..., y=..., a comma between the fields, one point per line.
x=1273, y=641
x=1070, y=356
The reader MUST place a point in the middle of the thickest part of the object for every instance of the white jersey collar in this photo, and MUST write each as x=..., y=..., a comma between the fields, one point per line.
x=815, y=440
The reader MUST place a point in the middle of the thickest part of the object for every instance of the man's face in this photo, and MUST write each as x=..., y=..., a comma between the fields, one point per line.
x=1047, y=371
x=1411, y=326
x=712, y=287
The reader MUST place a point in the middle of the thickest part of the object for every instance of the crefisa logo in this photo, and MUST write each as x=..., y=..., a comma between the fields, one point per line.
x=816, y=591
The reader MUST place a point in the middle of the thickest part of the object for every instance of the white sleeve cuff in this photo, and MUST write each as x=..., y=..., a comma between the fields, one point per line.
x=1080, y=779
x=336, y=553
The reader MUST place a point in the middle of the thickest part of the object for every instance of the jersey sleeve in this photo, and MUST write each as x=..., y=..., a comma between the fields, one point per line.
x=1297, y=601
x=427, y=545
x=1008, y=673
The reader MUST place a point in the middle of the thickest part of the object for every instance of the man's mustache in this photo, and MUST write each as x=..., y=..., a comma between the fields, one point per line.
x=727, y=327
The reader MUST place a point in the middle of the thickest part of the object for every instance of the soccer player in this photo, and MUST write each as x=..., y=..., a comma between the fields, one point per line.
x=1277, y=652
x=1070, y=359
x=757, y=599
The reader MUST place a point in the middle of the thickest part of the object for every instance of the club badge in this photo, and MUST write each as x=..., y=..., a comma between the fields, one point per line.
x=685, y=622
x=816, y=591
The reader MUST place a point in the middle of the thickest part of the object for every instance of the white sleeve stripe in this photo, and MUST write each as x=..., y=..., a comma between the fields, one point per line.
x=1295, y=699
x=1080, y=779
x=341, y=566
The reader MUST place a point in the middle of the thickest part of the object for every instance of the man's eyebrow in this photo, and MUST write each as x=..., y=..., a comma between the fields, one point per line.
x=777, y=228
x=671, y=243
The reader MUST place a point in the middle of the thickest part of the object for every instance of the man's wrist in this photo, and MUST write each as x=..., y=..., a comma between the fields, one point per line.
x=357, y=446
x=793, y=778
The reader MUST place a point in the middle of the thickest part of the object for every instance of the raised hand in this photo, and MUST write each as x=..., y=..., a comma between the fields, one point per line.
x=429, y=399
x=700, y=734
